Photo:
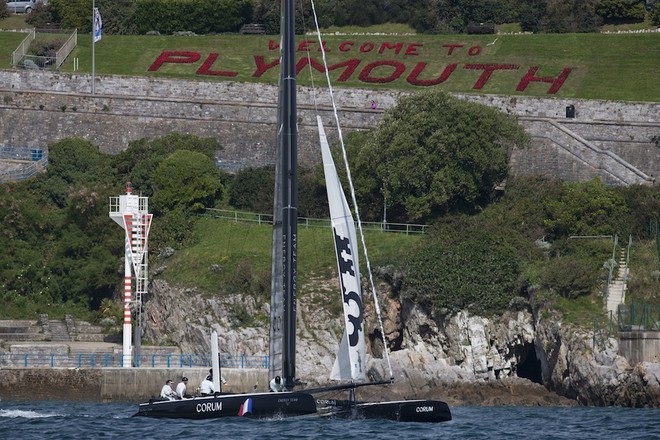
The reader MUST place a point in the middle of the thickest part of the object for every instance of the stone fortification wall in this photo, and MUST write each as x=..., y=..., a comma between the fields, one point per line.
x=37, y=108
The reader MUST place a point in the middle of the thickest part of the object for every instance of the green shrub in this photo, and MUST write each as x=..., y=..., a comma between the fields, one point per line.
x=4, y=13
x=198, y=16
x=186, y=179
x=588, y=208
x=252, y=189
x=46, y=48
x=569, y=277
x=41, y=16
x=654, y=15
x=465, y=263
x=617, y=11
x=576, y=267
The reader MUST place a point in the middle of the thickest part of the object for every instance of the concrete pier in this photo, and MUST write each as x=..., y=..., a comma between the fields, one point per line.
x=639, y=346
x=115, y=384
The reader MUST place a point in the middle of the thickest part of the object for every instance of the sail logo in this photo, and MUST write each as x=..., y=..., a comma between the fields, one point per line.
x=208, y=407
x=350, y=287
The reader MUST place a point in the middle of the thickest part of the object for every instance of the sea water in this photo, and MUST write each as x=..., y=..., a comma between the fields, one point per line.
x=55, y=420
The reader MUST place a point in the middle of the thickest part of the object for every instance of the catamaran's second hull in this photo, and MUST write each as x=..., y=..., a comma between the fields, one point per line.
x=430, y=411
x=259, y=405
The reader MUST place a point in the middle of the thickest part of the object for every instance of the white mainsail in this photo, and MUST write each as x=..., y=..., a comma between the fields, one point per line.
x=350, y=362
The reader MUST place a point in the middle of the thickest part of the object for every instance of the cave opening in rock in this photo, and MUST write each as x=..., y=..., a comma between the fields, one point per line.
x=530, y=366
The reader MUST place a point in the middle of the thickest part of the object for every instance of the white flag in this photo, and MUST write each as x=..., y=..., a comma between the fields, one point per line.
x=98, y=25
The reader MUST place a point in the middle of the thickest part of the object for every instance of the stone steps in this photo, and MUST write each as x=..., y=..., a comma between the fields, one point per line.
x=617, y=287
x=58, y=331
x=53, y=330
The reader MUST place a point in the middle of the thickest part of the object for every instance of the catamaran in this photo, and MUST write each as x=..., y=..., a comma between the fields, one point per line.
x=350, y=366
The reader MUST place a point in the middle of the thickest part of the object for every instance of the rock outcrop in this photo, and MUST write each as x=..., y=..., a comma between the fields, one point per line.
x=515, y=358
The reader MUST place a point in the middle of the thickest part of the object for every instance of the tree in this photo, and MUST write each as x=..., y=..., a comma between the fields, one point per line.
x=588, y=208
x=139, y=161
x=621, y=11
x=252, y=189
x=187, y=179
x=75, y=160
x=433, y=154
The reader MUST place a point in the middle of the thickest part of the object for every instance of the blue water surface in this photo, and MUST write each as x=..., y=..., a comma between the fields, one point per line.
x=56, y=420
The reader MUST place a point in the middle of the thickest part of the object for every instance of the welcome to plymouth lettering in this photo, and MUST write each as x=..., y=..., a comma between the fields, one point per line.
x=416, y=72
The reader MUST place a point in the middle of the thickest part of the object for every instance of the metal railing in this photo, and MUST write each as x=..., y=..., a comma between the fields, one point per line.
x=603, y=330
x=307, y=222
x=66, y=49
x=22, y=49
x=638, y=317
x=21, y=58
x=109, y=360
x=30, y=161
x=38, y=62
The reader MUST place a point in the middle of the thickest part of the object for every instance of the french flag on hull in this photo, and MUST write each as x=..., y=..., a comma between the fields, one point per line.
x=246, y=408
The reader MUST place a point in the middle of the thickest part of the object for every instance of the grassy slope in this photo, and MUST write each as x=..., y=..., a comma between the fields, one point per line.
x=615, y=67
x=619, y=67
x=225, y=243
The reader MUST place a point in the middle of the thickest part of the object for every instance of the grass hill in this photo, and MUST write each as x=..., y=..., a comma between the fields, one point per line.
x=595, y=66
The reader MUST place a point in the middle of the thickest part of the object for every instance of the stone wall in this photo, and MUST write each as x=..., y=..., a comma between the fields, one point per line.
x=37, y=108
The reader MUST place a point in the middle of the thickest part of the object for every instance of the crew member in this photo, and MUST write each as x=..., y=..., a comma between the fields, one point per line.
x=181, y=388
x=210, y=377
x=206, y=387
x=277, y=384
x=167, y=392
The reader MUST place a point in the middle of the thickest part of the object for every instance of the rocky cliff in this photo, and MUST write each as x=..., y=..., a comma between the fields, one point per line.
x=517, y=358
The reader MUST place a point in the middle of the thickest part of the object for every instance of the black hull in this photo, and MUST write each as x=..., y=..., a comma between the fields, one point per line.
x=258, y=405
x=428, y=411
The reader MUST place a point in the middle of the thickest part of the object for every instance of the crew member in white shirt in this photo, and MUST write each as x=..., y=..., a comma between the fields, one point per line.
x=277, y=384
x=167, y=392
x=181, y=388
x=206, y=387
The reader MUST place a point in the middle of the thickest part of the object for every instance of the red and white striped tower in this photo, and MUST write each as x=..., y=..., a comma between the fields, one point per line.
x=131, y=213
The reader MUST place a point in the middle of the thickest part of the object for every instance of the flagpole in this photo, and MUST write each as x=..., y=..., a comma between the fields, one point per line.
x=93, y=47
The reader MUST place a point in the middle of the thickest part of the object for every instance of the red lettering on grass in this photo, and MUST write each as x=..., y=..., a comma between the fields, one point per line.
x=488, y=70
x=350, y=65
x=205, y=69
x=412, y=48
x=413, y=78
x=174, y=57
x=365, y=75
x=262, y=66
x=386, y=46
x=530, y=76
x=346, y=46
x=452, y=47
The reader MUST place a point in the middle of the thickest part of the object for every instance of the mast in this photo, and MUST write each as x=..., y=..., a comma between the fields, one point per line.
x=285, y=233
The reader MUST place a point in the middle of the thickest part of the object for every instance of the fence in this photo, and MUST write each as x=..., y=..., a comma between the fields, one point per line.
x=20, y=56
x=306, y=222
x=654, y=231
x=20, y=52
x=638, y=317
x=106, y=360
x=66, y=50
x=603, y=330
x=28, y=162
